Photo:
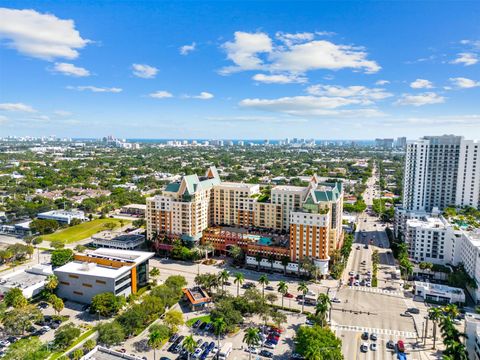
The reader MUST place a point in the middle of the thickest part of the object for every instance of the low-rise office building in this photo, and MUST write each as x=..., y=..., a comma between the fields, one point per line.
x=31, y=281
x=120, y=272
x=134, y=209
x=437, y=293
x=63, y=216
x=118, y=240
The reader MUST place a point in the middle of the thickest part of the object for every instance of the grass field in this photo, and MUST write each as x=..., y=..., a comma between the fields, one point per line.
x=81, y=231
x=205, y=318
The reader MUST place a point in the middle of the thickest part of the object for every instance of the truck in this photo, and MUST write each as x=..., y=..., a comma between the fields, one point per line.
x=225, y=351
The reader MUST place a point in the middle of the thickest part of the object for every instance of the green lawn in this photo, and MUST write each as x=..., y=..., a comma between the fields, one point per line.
x=82, y=337
x=81, y=231
x=205, y=318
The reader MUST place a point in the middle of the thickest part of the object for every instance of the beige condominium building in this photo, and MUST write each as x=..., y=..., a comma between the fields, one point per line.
x=311, y=215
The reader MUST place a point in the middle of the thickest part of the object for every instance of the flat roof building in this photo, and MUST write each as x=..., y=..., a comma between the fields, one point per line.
x=438, y=293
x=118, y=240
x=102, y=353
x=31, y=281
x=62, y=216
x=120, y=272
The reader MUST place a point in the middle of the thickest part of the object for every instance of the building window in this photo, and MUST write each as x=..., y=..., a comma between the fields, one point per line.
x=64, y=283
x=78, y=293
x=100, y=282
x=87, y=285
x=73, y=276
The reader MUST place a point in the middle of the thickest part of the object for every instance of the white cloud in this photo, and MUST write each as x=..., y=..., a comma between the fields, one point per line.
x=187, y=49
x=292, y=54
x=95, y=89
x=3, y=119
x=62, y=113
x=382, y=82
x=42, y=36
x=421, y=84
x=244, y=51
x=144, y=71
x=290, y=39
x=17, y=107
x=70, y=70
x=448, y=120
x=420, y=99
x=464, y=83
x=202, y=96
x=279, y=78
x=310, y=106
x=363, y=94
x=161, y=94
x=466, y=59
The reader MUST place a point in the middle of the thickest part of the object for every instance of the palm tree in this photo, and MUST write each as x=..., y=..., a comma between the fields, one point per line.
x=451, y=310
x=236, y=253
x=223, y=277
x=282, y=289
x=271, y=258
x=303, y=288
x=285, y=261
x=239, y=279
x=259, y=258
x=219, y=327
x=251, y=338
x=51, y=283
x=189, y=344
x=322, y=307
x=263, y=280
x=434, y=314
x=155, y=342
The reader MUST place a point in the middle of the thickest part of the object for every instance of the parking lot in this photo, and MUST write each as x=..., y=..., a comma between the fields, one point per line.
x=138, y=346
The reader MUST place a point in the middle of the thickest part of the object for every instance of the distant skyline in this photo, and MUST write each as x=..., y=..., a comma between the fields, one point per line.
x=239, y=70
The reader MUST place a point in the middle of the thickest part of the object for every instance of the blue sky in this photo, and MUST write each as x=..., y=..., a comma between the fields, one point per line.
x=325, y=70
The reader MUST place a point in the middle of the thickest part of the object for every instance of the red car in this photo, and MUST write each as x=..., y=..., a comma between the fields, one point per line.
x=400, y=346
x=273, y=337
x=276, y=329
x=288, y=295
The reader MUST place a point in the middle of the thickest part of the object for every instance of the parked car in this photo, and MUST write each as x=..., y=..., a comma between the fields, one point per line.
x=413, y=310
x=202, y=326
x=289, y=295
x=390, y=344
x=269, y=287
x=373, y=336
x=173, y=337
x=406, y=314
x=196, y=324
x=266, y=353
x=364, y=347
x=269, y=345
x=296, y=356
x=400, y=346
x=336, y=300
x=252, y=350
x=373, y=346
x=365, y=335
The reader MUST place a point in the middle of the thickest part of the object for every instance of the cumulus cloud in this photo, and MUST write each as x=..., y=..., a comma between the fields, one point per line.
x=279, y=78
x=464, y=83
x=161, y=94
x=363, y=94
x=260, y=119
x=70, y=70
x=382, y=82
x=310, y=106
x=421, y=84
x=187, y=49
x=144, y=71
x=427, y=98
x=20, y=107
x=38, y=35
x=95, y=89
x=466, y=59
x=292, y=54
x=202, y=96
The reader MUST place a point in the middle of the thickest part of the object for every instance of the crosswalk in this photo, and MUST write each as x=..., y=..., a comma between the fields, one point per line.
x=361, y=329
x=396, y=293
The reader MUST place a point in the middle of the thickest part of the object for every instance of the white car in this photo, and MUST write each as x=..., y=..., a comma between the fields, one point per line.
x=335, y=300
x=268, y=345
x=197, y=352
x=252, y=350
x=368, y=284
x=356, y=283
x=373, y=346
x=214, y=350
x=364, y=347
x=351, y=273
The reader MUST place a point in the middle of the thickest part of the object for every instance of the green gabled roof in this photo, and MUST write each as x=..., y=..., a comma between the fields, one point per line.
x=309, y=199
x=332, y=194
x=191, y=182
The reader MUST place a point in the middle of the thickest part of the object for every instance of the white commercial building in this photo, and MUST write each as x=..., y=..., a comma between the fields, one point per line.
x=441, y=171
x=432, y=239
x=62, y=216
x=439, y=293
x=472, y=338
x=31, y=281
